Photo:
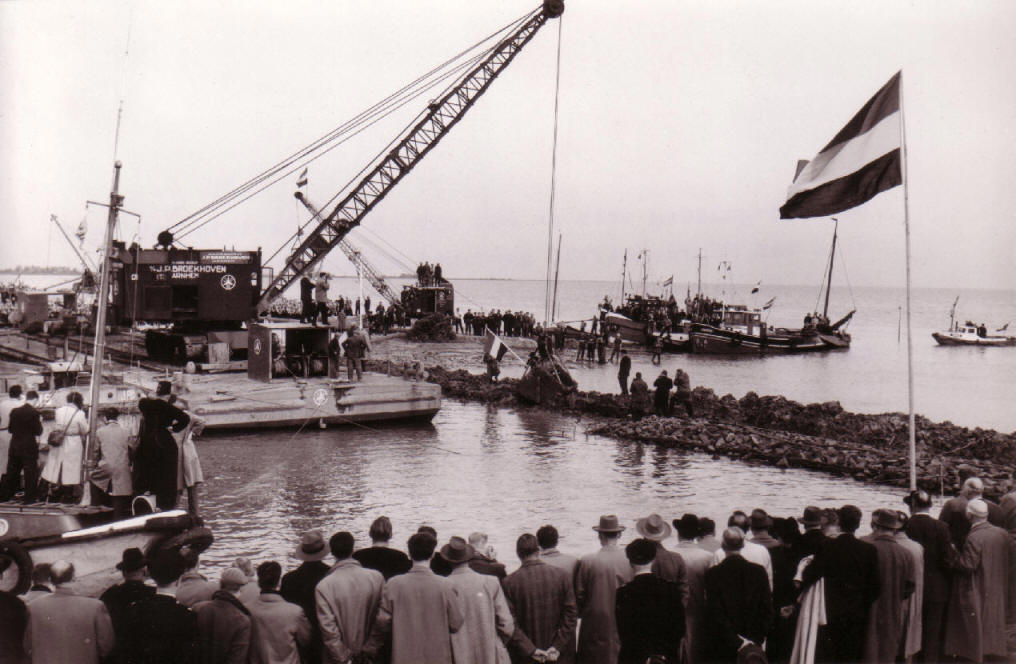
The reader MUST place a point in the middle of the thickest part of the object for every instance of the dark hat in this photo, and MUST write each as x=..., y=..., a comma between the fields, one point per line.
x=312, y=546
x=608, y=524
x=132, y=560
x=752, y=654
x=457, y=550
x=641, y=551
x=653, y=527
x=918, y=499
x=812, y=516
x=885, y=518
x=760, y=519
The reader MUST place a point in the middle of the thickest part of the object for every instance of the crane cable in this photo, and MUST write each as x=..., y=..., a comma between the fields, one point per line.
x=360, y=122
x=553, y=179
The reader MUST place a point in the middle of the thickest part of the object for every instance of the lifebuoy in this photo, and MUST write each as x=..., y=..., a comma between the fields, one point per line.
x=15, y=567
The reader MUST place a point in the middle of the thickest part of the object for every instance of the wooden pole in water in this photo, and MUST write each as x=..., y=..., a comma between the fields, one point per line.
x=911, y=425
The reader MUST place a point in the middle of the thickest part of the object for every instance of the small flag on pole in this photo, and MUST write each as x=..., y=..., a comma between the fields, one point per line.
x=862, y=161
x=82, y=230
x=302, y=182
x=768, y=304
x=1003, y=328
x=756, y=287
x=669, y=281
x=493, y=346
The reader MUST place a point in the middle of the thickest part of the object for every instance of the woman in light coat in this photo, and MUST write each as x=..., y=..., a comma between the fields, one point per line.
x=63, y=466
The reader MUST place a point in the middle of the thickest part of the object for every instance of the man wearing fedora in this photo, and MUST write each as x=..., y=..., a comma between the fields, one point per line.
x=299, y=584
x=850, y=569
x=939, y=560
x=543, y=602
x=811, y=539
x=419, y=611
x=224, y=625
x=886, y=619
x=649, y=610
x=597, y=578
x=667, y=565
x=133, y=588
x=487, y=620
x=347, y=601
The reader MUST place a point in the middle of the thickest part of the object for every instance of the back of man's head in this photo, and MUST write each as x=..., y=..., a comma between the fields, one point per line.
x=477, y=540
x=547, y=536
x=706, y=526
x=429, y=530
x=269, y=575
x=42, y=574
x=190, y=558
x=977, y=510
x=850, y=518
x=232, y=579
x=166, y=568
x=640, y=552
x=61, y=571
x=740, y=520
x=527, y=546
x=421, y=546
x=687, y=527
x=32, y=395
x=381, y=529
x=973, y=487
x=341, y=544
x=733, y=539
x=14, y=392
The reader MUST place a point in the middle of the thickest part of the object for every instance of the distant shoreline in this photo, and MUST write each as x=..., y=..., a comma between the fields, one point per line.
x=61, y=273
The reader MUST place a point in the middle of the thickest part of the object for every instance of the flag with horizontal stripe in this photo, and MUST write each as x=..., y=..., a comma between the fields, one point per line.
x=769, y=304
x=862, y=161
x=668, y=281
x=302, y=181
x=493, y=346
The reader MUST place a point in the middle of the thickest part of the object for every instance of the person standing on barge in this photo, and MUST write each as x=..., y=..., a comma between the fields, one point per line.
x=156, y=460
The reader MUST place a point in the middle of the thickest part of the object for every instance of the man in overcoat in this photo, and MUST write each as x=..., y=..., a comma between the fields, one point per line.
x=543, y=603
x=298, y=585
x=739, y=604
x=649, y=610
x=976, y=613
x=25, y=427
x=487, y=620
x=156, y=461
x=64, y=627
x=939, y=559
x=347, y=600
x=280, y=630
x=886, y=619
x=850, y=569
x=115, y=450
x=597, y=578
x=223, y=622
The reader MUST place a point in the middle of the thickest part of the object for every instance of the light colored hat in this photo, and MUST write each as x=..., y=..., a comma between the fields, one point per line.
x=977, y=508
x=653, y=527
x=232, y=576
x=312, y=546
x=608, y=524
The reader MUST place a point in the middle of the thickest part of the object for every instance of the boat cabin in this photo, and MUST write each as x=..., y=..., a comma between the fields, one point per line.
x=286, y=349
x=739, y=318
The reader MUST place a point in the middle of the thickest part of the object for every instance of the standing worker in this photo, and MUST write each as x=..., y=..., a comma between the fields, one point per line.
x=25, y=425
x=308, y=311
x=114, y=449
x=356, y=347
x=682, y=396
x=623, y=371
x=321, y=295
x=157, y=451
x=661, y=397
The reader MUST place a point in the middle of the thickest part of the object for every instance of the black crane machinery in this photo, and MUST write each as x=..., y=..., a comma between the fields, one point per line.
x=207, y=295
x=441, y=116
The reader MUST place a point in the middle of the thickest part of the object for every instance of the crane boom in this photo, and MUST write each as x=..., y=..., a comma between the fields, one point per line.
x=355, y=257
x=441, y=116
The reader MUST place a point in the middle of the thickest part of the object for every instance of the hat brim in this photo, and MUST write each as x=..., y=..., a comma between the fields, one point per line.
x=657, y=537
x=608, y=530
x=300, y=554
x=448, y=554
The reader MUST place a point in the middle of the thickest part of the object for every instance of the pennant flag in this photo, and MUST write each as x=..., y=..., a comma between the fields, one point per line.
x=756, y=287
x=82, y=230
x=668, y=281
x=1003, y=328
x=862, y=161
x=769, y=303
x=302, y=182
x=493, y=346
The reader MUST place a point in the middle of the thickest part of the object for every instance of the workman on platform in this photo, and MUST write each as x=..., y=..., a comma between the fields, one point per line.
x=356, y=347
x=156, y=459
x=321, y=295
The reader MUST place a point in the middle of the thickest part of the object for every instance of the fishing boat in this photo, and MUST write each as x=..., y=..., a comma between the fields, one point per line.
x=969, y=334
x=738, y=330
x=87, y=534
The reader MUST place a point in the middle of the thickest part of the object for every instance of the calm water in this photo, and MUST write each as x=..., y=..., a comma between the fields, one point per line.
x=507, y=472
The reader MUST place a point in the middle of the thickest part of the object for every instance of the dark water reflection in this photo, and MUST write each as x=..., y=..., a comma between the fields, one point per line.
x=478, y=468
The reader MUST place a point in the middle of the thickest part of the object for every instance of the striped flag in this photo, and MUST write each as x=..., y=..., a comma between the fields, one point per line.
x=756, y=288
x=668, y=281
x=302, y=182
x=82, y=230
x=769, y=303
x=492, y=345
x=862, y=161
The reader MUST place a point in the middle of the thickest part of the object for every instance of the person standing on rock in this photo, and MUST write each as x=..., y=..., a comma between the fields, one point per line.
x=623, y=371
x=682, y=397
x=661, y=398
x=639, y=397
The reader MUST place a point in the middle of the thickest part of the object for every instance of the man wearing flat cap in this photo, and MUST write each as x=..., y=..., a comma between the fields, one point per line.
x=597, y=579
x=224, y=624
x=976, y=612
x=667, y=565
x=886, y=619
x=939, y=559
x=649, y=610
x=298, y=585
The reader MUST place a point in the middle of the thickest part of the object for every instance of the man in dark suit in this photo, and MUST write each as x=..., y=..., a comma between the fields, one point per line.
x=298, y=585
x=25, y=428
x=649, y=610
x=739, y=604
x=156, y=461
x=850, y=569
x=118, y=598
x=159, y=630
x=380, y=556
x=939, y=559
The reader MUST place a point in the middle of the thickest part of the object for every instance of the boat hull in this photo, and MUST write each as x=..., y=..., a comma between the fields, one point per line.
x=707, y=339
x=629, y=329
x=947, y=339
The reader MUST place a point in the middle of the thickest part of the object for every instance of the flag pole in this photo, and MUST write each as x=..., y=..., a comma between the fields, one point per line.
x=911, y=428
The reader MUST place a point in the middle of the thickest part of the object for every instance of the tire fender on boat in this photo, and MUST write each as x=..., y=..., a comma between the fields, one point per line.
x=13, y=555
x=198, y=539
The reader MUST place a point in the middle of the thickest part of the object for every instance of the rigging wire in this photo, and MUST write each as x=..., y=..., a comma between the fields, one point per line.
x=123, y=83
x=363, y=120
x=553, y=175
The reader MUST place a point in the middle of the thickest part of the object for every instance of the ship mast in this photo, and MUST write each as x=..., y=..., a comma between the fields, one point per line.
x=829, y=280
x=624, y=273
x=698, y=290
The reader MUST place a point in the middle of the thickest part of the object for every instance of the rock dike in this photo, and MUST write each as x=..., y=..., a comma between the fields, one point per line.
x=779, y=432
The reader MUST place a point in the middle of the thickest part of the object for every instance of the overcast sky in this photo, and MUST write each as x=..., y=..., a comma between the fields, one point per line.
x=680, y=124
